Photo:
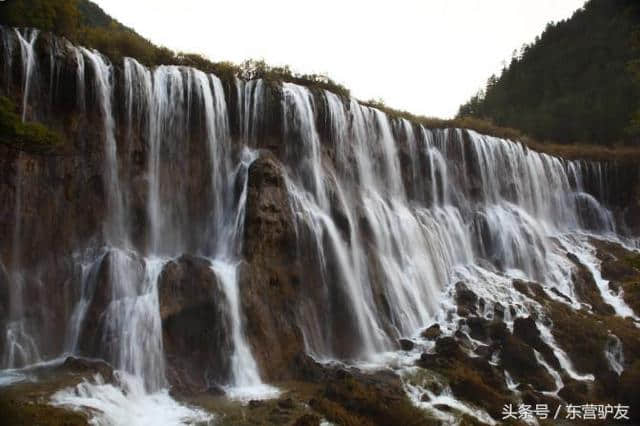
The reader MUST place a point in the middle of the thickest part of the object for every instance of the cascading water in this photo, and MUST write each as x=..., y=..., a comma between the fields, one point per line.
x=390, y=213
x=484, y=199
x=27, y=42
x=166, y=96
x=115, y=232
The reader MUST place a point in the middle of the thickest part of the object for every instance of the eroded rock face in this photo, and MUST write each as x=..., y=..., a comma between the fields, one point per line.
x=270, y=278
x=476, y=369
x=466, y=300
x=587, y=289
x=471, y=379
x=584, y=336
x=4, y=301
x=622, y=268
x=432, y=332
x=355, y=398
x=196, y=327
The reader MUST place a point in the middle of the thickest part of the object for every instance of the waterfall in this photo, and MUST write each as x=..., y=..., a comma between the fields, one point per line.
x=115, y=232
x=27, y=43
x=251, y=109
x=80, y=76
x=473, y=199
x=170, y=99
x=388, y=216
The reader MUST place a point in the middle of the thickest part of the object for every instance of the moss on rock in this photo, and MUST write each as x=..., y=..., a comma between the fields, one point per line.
x=27, y=136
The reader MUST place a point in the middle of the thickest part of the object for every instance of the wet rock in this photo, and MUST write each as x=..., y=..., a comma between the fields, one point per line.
x=471, y=379
x=4, y=302
x=465, y=299
x=561, y=294
x=618, y=271
x=527, y=330
x=366, y=399
x=29, y=402
x=434, y=387
x=622, y=268
x=479, y=328
x=498, y=311
x=119, y=274
x=518, y=358
x=586, y=287
x=215, y=389
x=256, y=403
x=615, y=287
x=483, y=351
x=286, y=404
x=629, y=391
x=583, y=335
x=27, y=407
x=307, y=420
x=449, y=348
x=498, y=331
x=432, y=332
x=406, y=344
x=271, y=288
x=575, y=391
x=195, y=324
x=482, y=305
x=269, y=224
x=88, y=368
x=532, y=397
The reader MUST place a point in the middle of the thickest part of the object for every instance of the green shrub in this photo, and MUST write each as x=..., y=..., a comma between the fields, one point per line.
x=25, y=135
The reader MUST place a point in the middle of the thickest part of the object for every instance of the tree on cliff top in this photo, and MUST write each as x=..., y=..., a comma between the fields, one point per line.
x=573, y=84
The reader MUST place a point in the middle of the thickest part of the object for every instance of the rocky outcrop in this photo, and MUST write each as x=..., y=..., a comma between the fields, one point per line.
x=351, y=397
x=584, y=336
x=270, y=280
x=586, y=287
x=29, y=402
x=621, y=267
x=117, y=275
x=196, y=328
x=471, y=379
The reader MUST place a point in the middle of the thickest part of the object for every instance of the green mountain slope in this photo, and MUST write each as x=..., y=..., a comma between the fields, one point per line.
x=574, y=83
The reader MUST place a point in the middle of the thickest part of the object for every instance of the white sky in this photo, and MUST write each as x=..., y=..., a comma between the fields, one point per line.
x=425, y=56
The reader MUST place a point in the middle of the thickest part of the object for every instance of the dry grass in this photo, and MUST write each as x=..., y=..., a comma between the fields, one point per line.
x=627, y=154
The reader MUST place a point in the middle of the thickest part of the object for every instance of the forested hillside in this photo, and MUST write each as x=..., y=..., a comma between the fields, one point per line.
x=578, y=82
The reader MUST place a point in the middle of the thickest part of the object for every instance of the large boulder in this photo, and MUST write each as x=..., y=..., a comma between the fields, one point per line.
x=115, y=275
x=196, y=325
x=466, y=299
x=472, y=379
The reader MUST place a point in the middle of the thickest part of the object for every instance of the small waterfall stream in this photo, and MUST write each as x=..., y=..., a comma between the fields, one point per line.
x=27, y=42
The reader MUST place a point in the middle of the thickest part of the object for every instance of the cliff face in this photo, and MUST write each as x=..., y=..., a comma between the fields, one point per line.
x=199, y=232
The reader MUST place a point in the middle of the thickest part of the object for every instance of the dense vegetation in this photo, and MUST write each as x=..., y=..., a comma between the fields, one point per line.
x=85, y=23
x=578, y=82
x=25, y=135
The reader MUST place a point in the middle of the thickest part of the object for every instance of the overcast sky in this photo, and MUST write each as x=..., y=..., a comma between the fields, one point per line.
x=425, y=56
